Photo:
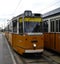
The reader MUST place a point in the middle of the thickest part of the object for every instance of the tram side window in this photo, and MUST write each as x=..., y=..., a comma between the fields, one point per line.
x=52, y=26
x=6, y=29
x=10, y=28
x=45, y=26
x=15, y=26
x=20, y=28
x=59, y=25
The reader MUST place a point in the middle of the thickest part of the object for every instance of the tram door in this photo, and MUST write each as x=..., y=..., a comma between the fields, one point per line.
x=55, y=34
x=58, y=35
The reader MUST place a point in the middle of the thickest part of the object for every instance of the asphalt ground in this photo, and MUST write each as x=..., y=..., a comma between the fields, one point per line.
x=6, y=56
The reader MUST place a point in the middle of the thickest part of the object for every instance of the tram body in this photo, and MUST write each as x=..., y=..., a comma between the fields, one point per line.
x=25, y=33
x=52, y=35
x=6, y=32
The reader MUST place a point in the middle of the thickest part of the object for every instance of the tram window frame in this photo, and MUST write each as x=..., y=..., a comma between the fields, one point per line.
x=21, y=28
x=53, y=27
x=52, y=24
x=59, y=25
x=45, y=28
x=56, y=25
x=10, y=27
x=14, y=26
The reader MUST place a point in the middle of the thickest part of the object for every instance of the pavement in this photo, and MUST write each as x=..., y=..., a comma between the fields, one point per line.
x=5, y=55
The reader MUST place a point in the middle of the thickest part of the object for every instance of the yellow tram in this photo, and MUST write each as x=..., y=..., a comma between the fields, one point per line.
x=25, y=33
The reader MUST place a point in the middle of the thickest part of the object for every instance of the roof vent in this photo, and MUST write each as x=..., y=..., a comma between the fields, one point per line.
x=37, y=15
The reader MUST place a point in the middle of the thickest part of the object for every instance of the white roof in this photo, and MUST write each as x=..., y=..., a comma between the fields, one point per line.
x=51, y=12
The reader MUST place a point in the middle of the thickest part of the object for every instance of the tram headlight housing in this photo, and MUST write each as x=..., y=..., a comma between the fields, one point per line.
x=34, y=45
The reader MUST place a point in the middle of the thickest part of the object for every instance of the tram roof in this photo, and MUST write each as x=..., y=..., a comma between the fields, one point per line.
x=33, y=15
x=17, y=16
x=51, y=13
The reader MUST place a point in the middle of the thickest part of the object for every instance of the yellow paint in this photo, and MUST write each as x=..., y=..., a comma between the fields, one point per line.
x=30, y=19
x=33, y=19
x=20, y=19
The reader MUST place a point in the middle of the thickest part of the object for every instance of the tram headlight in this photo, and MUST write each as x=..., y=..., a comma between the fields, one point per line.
x=34, y=45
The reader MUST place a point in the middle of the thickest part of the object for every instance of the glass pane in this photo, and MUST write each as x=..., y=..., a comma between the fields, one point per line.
x=52, y=26
x=20, y=28
x=15, y=26
x=59, y=25
x=45, y=26
x=32, y=26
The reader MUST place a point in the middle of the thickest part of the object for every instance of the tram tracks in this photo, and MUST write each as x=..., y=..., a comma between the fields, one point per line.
x=43, y=59
x=52, y=57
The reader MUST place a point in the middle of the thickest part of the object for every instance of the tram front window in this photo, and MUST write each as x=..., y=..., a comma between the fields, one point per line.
x=32, y=27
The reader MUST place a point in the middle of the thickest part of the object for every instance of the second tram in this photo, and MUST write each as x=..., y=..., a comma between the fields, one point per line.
x=52, y=30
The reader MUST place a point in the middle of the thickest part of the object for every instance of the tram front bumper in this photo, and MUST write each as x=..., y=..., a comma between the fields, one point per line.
x=34, y=51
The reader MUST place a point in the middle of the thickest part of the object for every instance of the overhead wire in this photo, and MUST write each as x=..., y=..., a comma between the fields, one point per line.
x=50, y=6
x=17, y=7
x=13, y=14
x=38, y=11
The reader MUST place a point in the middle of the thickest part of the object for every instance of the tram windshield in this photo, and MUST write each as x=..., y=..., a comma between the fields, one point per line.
x=32, y=27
